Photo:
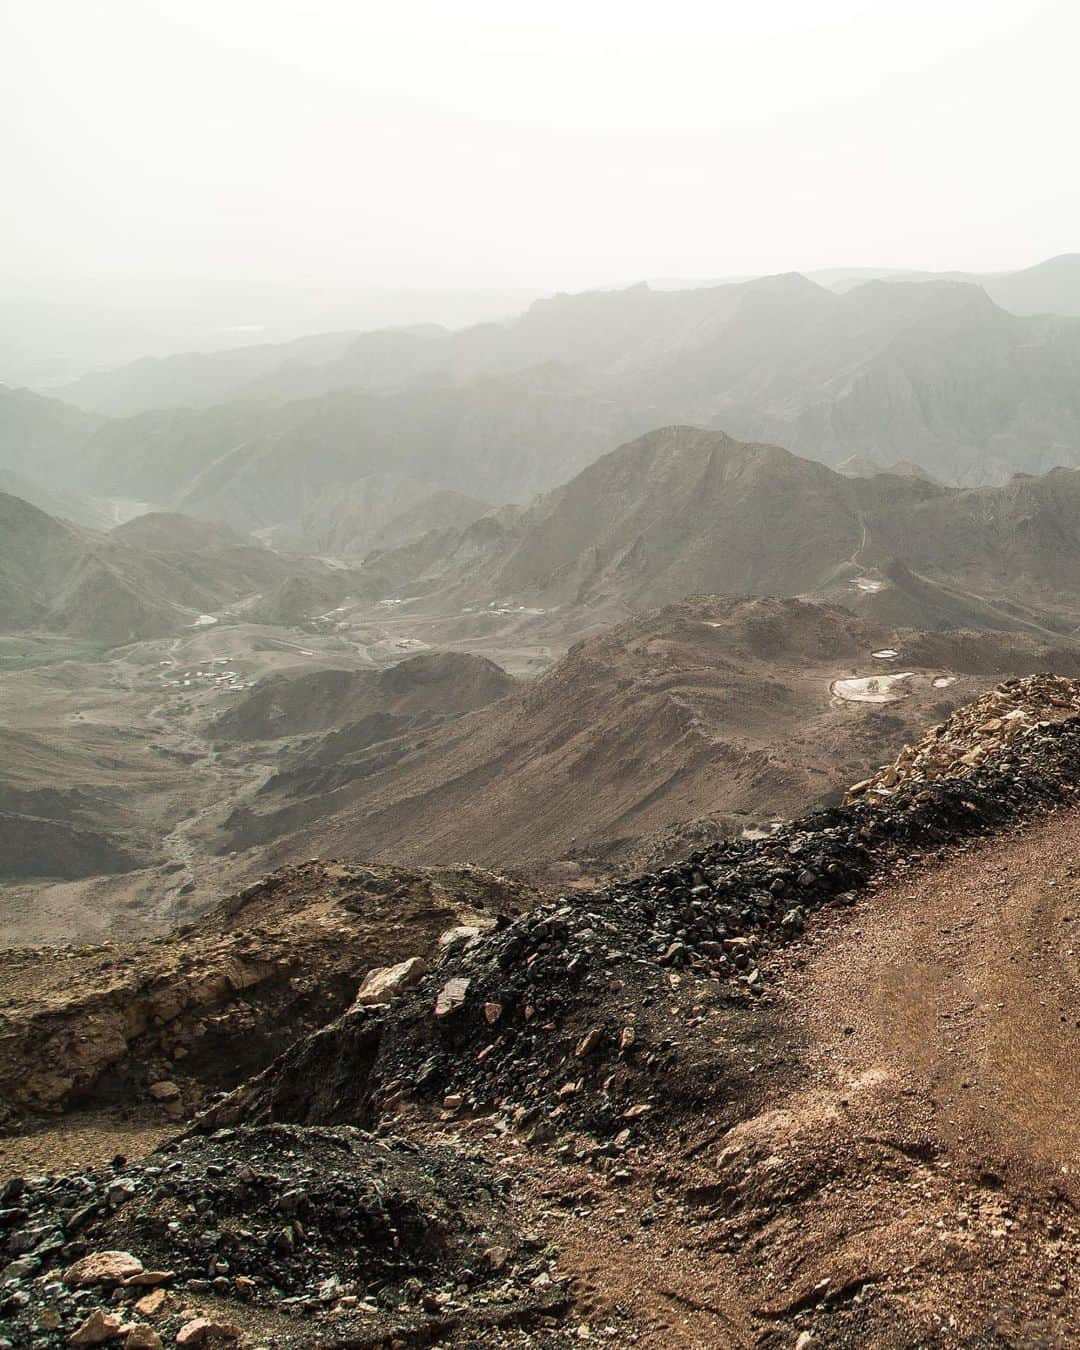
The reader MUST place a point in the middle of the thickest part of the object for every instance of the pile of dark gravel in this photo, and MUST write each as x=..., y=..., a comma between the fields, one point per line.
x=335, y=1226
x=582, y=1012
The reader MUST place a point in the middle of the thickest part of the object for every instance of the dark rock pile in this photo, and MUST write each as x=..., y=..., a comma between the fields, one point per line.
x=361, y=1238
x=578, y=1013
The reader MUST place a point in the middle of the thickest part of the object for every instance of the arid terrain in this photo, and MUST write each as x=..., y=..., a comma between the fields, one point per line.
x=143, y=784
x=813, y=1088
x=539, y=676
x=560, y=707
x=639, y=913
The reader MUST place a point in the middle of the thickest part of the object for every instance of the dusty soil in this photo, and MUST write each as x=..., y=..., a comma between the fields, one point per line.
x=83, y=1139
x=909, y=1172
x=847, y=1124
x=903, y=1174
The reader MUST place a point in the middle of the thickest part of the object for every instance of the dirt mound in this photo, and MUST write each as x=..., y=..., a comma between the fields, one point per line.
x=418, y=691
x=339, y=1236
x=926, y=1160
x=213, y=1003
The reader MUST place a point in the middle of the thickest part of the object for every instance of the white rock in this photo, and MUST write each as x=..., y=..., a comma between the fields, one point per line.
x=386, y=982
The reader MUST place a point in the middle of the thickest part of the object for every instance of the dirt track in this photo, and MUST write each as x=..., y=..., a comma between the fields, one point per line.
x=915, y=1182
x=966, y=982
x=923, y=1177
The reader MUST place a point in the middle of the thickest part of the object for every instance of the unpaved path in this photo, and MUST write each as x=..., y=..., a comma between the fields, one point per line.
x=915, y=1178
x=965, y=980
x=221, y=784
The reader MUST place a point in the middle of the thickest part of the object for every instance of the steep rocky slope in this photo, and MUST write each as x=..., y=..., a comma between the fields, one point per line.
x=665, y=1033
x=682, y=510
x=420, y=690
x=221, y=997
x=154, y=576
x=42, y=437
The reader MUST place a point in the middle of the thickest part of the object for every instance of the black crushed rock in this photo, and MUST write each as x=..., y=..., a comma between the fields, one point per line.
x=577, y=1013
x=362, y=1238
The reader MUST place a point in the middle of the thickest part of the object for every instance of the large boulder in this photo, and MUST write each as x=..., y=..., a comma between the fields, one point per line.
x=386, y=982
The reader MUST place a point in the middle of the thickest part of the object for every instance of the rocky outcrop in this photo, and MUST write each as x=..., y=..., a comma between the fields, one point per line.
x=976, y=734
x=597, y=968
x=170, y=1020
x=343, y=1237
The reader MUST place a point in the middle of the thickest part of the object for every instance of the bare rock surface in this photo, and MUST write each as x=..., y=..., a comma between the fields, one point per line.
x=977, y=732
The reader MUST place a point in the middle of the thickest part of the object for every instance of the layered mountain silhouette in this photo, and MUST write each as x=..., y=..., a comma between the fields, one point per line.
x=41, y=436
x=683, y=511
x=931, y=372
x=679, y=511
x=154, y=576
x=1049, y=287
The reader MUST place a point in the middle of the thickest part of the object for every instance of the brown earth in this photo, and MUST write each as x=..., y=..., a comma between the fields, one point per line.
x=692, y=722
x=419, y=690
x=683, y=511
x=894, y=1163
x=906, y=1170
x=110, y=769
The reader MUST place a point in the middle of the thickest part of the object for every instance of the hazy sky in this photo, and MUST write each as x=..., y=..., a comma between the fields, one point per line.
x=544, y=144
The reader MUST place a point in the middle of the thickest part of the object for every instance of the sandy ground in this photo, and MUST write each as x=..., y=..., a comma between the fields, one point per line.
x=974, y=997
x=83, y=1139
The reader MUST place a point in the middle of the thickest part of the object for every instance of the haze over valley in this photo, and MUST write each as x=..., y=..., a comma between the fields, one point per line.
x=189, y=535
x=539, y=676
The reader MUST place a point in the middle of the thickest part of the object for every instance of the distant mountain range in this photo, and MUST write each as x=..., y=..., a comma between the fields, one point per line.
x=343, y=443
x=677, y=512
x=152, y=577
x=1050, y=287
x=933, y=372
x=683, y=511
